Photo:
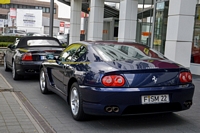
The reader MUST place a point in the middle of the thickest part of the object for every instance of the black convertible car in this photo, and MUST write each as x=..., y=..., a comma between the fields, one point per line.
x=26, y=55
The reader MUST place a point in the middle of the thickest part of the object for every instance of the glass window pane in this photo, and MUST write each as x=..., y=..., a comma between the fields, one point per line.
x=15, y=6
x=11, y=6
x=195, y=57
x=7, y=6
x=42, y=42
x=43, y=9
x=47, y=10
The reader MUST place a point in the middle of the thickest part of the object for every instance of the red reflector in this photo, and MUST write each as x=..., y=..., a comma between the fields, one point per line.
x=113, y=80
x=185, y=77
x=27, y=57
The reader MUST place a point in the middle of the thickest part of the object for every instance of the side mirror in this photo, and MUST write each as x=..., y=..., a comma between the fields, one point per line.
x=50, y=57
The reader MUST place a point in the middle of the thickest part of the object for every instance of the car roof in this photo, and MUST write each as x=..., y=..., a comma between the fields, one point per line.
x=113, y=42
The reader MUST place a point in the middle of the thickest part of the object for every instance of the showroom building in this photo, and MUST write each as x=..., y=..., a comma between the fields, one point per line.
x=169, y=26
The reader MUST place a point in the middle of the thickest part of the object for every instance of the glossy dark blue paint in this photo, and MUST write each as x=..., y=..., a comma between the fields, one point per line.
x=90, y=68
x=96, y=99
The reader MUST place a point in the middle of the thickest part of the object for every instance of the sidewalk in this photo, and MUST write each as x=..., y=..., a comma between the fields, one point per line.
x=14, y=117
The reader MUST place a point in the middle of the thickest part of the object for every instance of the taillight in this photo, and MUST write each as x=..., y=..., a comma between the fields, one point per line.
x=27, y=57
x=185, y=77
x=113, y=80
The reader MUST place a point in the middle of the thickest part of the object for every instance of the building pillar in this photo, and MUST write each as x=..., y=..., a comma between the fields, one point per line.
x=180, y=28
x=128, y=20
x=95, y=25
x=75, y=20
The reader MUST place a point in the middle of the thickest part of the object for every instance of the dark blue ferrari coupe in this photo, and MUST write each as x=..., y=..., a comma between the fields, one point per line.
x=113, y=78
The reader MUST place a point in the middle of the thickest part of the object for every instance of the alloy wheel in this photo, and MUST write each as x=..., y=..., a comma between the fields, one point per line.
x=74, y=101
x=4, y=63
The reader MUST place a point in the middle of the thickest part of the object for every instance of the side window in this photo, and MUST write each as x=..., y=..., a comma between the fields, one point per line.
x=81, y=51
x=67, y=54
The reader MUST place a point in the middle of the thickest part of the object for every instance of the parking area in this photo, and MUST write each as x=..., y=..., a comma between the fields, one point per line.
x=56, y=113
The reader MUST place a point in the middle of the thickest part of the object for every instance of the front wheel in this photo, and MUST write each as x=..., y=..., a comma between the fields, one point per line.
x=5, y=64
x=43, y=83
x=76, y=103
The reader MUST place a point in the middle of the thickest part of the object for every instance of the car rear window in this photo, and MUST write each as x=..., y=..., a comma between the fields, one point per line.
x=42, y=42
x=112, y=52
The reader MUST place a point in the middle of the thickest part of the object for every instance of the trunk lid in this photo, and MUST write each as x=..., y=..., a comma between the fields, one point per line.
x=148, y=73
x=39, y=53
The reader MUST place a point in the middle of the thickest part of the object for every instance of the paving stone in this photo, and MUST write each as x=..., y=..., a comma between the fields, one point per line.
x=30, y=131
x=25, y=126
x=15, y=129
x=25, y=122
x=4, y=130
x=12, y=124
x=2, y=124
x=10, y=120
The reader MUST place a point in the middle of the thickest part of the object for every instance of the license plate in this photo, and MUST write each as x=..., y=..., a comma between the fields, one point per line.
x=42, y=57
x=153, y=99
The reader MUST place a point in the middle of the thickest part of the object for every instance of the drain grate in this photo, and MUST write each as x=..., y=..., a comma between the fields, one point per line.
x=36, y=115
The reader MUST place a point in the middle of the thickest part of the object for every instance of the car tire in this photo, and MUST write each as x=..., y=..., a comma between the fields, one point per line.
x=76, y=103
x=5, y=64
x=43, y=82
x=14, y=73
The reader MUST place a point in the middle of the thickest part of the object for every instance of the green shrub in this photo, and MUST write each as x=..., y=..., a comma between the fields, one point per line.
x=8, y=38
x=5, y=44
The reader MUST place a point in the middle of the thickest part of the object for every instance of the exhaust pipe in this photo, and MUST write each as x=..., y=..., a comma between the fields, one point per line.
x=188, y=104
x=115, y=109
x=108, y=109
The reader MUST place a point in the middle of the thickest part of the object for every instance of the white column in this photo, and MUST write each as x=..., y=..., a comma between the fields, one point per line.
x=95, y=25
x=75, y=20
x=180, y=31
x=128, y=20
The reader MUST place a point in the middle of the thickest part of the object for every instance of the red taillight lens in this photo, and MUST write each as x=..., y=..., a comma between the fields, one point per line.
x=113, y=80
x=185, y=77
x=27, y=57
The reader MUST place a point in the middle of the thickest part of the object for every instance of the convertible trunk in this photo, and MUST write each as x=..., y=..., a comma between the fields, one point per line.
x=39, y=53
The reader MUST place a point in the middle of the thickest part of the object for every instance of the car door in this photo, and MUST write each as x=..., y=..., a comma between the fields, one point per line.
x=11, y=52
x=71, y=63
x=63, y=66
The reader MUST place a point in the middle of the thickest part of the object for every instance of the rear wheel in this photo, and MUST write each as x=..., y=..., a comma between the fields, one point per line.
x=76, y=103
x=14, y=73
x=43, y=83
x=5, y=64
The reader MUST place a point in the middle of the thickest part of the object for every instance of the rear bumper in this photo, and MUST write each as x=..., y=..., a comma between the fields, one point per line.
x=128, y=100
x=28, y=68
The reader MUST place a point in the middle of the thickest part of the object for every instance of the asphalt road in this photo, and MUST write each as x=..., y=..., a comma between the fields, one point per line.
x=57, y=113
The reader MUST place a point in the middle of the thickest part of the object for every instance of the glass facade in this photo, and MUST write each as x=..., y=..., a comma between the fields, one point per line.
x=195, y=57
x=44, y=9
x=160, y=26
x=144, y=25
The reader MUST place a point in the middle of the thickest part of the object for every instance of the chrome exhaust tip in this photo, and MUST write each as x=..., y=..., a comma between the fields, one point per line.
x=108, y=109
x=115, y=109
x=187, y=104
